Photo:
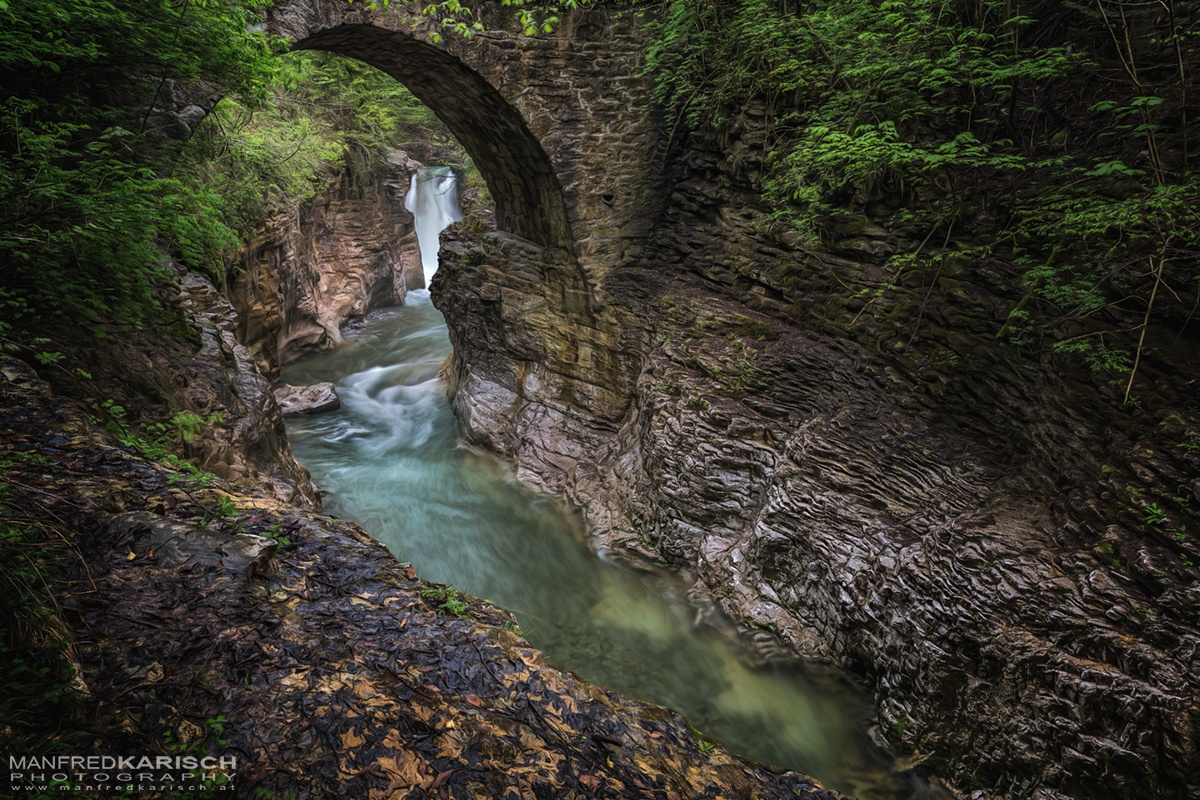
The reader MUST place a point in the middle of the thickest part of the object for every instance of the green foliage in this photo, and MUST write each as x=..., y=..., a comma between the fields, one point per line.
x=84, y=197
x=36, y=693
x=448, y=600
x=459, y=18
x=225, y=507
x=276, y=532
x=94, y=202
x=186, y=425
x=157, y=441
x=863, y=95
x=978, y=116
x=321, y=116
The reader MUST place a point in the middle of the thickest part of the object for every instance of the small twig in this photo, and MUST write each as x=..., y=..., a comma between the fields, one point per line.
x=936, y=275
x=892, y=282
x=486, y=665
x=1145, y=324
x=400, y=677
x=137, y=621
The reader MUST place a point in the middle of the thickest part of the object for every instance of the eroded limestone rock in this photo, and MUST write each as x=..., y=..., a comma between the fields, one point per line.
x=877, y=483
x=313, y=399
x=306, y=273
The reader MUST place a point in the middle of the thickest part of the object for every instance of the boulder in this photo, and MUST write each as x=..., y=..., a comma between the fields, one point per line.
x=294, y=400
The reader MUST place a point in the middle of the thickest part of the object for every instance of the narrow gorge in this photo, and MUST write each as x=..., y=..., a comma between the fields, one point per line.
x=849, y=467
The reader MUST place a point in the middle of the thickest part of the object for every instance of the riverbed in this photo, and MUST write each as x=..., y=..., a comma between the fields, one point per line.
x=390, y=460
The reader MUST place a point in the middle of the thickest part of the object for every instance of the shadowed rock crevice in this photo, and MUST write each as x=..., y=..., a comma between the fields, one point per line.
x=308, y=271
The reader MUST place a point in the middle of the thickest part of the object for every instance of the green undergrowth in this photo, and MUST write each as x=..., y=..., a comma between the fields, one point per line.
x=37, y=699
x=323, y=116
x=447, y=600
x=102, y=198
x=158, y=441
x=87, y=195
x=1055, y=136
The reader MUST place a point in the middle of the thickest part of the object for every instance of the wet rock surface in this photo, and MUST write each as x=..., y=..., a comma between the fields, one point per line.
x=308, y=271
x=843, y=454
x=872, y=480
x=192, y=377
x=307, y=399
x=337, y=671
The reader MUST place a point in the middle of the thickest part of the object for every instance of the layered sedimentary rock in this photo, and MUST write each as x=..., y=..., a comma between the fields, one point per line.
x=190, y=387
x=843, y=454
x=218, y=622
x=309, y=270
x=245, y=439
x=870, y=480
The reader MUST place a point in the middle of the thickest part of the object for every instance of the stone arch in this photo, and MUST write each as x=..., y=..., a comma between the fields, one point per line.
x=559, y=125
x=528, y=197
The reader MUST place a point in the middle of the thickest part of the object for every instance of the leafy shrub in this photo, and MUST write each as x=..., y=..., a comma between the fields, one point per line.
x=90, y=196
x=1063, y=139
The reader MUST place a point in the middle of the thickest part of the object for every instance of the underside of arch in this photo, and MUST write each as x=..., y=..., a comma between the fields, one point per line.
x=519, y=175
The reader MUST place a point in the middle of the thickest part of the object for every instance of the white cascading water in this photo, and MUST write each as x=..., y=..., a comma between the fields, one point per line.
x=433, y=200
x=390, y=460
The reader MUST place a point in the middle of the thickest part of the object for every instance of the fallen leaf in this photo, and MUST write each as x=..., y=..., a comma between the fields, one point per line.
x=590, y=781
x=131, y=556
x=473, y=699
x=441, y=778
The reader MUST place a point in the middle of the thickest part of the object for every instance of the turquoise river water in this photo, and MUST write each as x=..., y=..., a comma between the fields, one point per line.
x=390, y=460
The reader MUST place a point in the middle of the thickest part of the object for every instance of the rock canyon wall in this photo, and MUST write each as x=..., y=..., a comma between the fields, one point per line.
x=309, y=270
x=874, y=481
x=866, y=478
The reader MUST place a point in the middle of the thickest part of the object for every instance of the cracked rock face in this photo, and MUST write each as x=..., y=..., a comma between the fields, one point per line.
x=936, y=513
x=248, y=442
x=193, y=389
x=307, y=272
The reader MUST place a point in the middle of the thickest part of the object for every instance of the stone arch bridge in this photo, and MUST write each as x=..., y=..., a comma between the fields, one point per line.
x=558, y=124
x=561, y=129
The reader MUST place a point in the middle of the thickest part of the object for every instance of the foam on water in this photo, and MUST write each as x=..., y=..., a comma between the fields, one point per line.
x=390, y=460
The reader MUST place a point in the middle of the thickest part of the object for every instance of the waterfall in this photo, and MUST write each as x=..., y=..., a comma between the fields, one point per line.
x=433, y=200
